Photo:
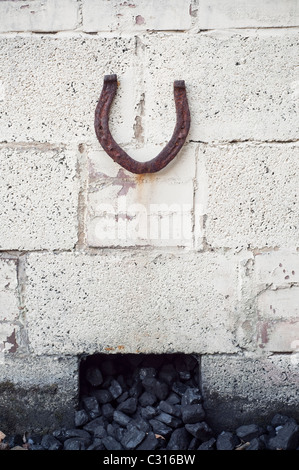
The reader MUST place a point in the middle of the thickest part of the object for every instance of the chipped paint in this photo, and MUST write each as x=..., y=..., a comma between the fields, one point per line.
x=139, y=20
x=262, y=329
x=10, y=343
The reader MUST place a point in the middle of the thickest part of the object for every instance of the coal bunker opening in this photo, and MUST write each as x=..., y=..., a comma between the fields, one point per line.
x=138, y=401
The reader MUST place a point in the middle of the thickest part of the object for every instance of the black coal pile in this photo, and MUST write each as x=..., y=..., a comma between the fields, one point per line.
x=142, y=403
x=152, y=403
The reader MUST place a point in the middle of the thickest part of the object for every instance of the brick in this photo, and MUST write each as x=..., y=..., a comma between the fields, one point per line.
x=8, y=291
x=251, y=195
x=279, y=268
x=39, y=198
x=130, y=302
x=124, y=209
x=240, y=85
x=276, y=284
x=279, y=336
x=269, y=295
x=280, y=303
x=39, y=15
x=234, y=386
x=136, y=15
x=243, y=13
x=51, y=85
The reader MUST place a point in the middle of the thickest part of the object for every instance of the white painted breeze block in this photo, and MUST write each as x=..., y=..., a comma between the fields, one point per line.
x=51, y=85
x=135, y=15
x=240, y=85
x=235, y=91
x=252, y=195
x=247, y=13
x=128, y=210
x=39, y=195
x=38, y=15
x=139, y=15
x=130, y=302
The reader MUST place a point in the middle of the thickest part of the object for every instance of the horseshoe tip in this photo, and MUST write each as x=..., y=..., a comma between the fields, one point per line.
x=179, y=84
x=110, y=78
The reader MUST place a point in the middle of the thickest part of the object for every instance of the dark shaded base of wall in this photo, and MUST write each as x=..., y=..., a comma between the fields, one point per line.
x=38, y=409
x=236, y=390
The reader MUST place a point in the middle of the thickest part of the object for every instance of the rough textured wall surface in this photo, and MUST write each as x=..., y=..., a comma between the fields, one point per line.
x=202, y=257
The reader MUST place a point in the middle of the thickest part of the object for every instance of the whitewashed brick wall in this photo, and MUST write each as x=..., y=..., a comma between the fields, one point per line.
x=201, y=257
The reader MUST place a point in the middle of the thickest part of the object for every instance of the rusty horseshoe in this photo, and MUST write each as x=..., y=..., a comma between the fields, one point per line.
x=117, y=153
